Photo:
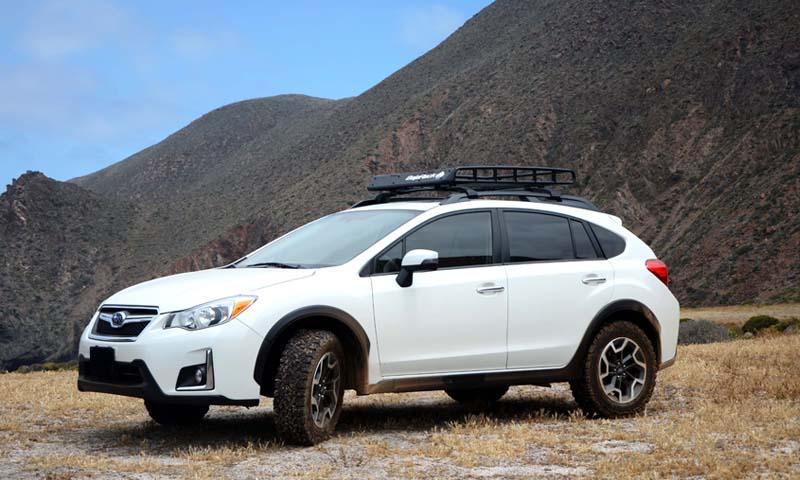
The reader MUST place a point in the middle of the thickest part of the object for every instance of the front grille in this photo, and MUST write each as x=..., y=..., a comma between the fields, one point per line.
x=135, y=319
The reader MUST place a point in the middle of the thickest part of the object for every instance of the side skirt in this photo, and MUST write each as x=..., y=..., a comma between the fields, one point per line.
x=474, y=380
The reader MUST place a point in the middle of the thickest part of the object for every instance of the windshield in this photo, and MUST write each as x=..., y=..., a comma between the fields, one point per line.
x=329, y=241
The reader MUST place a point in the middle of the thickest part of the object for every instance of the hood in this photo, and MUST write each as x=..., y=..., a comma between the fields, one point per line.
x=186, y=290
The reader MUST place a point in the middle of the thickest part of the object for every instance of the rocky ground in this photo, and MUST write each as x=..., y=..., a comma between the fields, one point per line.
x=724, y=410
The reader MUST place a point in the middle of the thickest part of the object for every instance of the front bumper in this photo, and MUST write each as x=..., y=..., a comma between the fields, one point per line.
x=135, y=380
x=149, y=366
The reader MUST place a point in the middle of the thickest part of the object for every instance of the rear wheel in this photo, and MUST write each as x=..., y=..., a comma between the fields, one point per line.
x=481, y=396
x=309, y=387
x=174, y=414
x=619, y=372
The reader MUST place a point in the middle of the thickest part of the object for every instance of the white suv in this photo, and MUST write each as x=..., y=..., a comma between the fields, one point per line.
x=500, y=282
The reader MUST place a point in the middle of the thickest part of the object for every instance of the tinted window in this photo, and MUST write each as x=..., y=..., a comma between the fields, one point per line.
x=390, y=260
x=536, y=236
x=461, y=240
x=583, y=246
x=611, y=243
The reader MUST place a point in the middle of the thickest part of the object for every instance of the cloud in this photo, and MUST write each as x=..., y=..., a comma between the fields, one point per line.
x=425, y=27
x=195, y=45
x=59, y=28
x=65, y=100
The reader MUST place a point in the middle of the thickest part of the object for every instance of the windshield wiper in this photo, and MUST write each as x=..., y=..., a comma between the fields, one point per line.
x=275, y=265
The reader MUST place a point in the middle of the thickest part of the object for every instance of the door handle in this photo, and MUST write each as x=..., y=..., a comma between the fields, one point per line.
x=593, y=279
x=488, y=289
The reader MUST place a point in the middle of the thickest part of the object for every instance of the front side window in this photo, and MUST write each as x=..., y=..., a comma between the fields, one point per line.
x=538, y=237
x=461, y=240
x=329, y=241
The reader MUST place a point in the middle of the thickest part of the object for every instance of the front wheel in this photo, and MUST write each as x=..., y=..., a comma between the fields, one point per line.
x=309, y=387
x=174, y=414
x=619, y=372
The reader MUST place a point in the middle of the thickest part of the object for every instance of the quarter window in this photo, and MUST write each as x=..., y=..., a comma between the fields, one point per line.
x=389, y=262
x=611, y=243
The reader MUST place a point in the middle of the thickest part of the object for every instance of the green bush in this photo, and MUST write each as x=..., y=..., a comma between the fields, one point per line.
x=758, y=323
x=48, y=367
x=788, y=322
x=701, y=331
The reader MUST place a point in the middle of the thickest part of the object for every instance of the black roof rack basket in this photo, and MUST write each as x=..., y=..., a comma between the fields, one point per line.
x=480, y=181
x=479, y=177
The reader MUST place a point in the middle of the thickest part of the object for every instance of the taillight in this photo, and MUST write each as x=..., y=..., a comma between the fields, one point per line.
x=659, y=269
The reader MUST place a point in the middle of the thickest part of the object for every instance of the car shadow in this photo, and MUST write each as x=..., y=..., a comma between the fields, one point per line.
x=231, y=428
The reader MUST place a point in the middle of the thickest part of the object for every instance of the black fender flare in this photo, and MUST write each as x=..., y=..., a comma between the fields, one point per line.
x=315, y=316
x=625, y=306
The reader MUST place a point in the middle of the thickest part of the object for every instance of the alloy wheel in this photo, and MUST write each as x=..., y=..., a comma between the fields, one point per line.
x=622, y=370
x=325, y=390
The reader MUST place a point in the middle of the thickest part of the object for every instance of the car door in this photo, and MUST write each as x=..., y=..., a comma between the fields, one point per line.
x=557, y=282
x=449, y=320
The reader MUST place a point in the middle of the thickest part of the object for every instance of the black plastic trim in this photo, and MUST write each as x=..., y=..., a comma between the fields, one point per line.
x=617, y=307
x=475, y=380
x=149, y=389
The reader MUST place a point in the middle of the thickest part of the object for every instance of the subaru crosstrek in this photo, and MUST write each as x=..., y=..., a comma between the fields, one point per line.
x=500, y=281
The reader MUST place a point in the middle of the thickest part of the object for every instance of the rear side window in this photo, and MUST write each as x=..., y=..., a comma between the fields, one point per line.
x=611, y=243
x=583, y=246
x=538, y=237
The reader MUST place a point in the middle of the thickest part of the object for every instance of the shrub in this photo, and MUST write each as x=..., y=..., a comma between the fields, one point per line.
x=759, y=322
x=783, y=325
x=701, y=331
x=48, y=367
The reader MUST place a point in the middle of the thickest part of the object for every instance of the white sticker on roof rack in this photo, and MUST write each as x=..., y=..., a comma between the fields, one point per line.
x=424, y=176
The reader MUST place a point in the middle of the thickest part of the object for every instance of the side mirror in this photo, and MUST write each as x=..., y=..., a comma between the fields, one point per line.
x=416, y=261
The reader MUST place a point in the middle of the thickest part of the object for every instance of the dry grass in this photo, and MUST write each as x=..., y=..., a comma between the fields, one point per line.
x=727, y=410
x=738, y=314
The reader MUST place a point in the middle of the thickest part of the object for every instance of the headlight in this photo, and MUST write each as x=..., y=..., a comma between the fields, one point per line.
x=209, y=314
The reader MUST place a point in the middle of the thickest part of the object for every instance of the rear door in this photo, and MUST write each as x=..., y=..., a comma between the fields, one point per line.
x=557, y=282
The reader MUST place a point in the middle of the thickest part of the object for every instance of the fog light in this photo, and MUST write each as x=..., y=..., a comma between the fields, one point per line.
x=200, y=375
x=197, y=377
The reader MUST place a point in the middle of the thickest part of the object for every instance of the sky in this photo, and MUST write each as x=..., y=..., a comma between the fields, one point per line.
x=86, y=83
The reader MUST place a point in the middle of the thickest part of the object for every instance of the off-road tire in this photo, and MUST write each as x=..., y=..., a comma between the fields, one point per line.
x=169, y=414
x=477, y=397
x=294, y=387
x=588, y=389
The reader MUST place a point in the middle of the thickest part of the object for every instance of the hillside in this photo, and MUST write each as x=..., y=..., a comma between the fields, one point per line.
x=61, y=248
x=682, y=119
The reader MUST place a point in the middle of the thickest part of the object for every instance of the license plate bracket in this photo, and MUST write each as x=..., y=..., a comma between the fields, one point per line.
x=101, y=362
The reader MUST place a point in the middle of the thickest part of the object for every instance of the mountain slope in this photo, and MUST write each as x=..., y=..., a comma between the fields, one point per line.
x=683, y=119
x=60, y=247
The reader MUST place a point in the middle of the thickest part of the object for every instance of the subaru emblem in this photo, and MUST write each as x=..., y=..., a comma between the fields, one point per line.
x=118, y=319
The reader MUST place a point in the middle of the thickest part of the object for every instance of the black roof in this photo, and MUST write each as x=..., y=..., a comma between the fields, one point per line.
x=481, y=181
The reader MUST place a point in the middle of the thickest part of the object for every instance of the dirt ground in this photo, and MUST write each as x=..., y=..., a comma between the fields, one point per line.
x=727, y=410
x=739, y=314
